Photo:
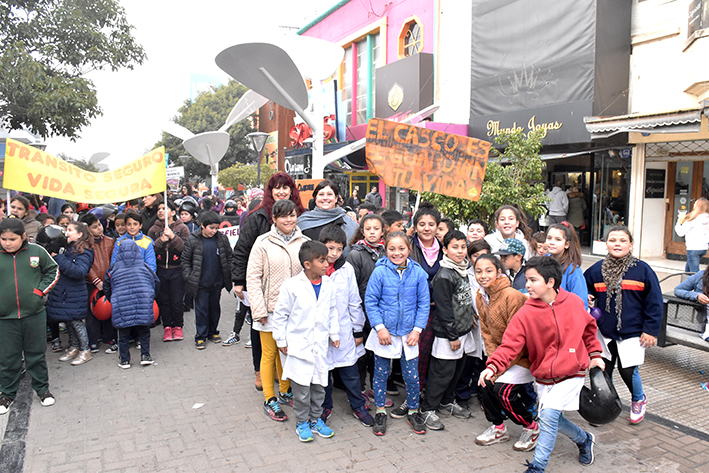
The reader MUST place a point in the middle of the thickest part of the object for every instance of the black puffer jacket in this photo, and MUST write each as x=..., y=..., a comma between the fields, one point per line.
x=454, y=315
x=363, y=259
x=255, y=225
x=191, y=261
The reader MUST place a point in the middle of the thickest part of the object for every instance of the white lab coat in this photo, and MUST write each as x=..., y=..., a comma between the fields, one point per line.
x=350, y=317
x=305, y=325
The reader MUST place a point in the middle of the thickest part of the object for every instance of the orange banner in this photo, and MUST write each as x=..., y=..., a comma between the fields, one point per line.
x=306, y=188
x=426, y=160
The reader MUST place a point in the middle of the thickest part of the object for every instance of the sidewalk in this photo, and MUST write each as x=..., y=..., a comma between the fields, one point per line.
x=147, y=419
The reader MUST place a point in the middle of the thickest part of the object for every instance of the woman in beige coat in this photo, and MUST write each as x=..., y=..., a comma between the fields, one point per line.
x=273, y=259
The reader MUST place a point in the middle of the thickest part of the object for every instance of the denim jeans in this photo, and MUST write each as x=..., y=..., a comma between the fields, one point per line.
x=207, y=312
x=350, y=378
x=409, y=369
x=693, y=257
x=552, y=421
x=629, y=375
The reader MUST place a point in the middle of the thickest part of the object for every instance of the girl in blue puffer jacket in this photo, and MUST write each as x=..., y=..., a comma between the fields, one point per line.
x=398, y=303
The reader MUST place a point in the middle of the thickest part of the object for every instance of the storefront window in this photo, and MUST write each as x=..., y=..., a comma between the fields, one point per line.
x=610, y=193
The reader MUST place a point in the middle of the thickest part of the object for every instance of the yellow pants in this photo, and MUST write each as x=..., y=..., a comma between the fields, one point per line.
x=270, y=359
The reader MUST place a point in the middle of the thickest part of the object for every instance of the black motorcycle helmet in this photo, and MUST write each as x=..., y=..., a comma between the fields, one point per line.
x=52, y=239
x=189, y=206
x=600, y=404
x=230, y=207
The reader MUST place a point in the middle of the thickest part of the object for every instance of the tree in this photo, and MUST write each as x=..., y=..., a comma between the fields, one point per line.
x=515, y=177
x=47, y=48
x=79, y=163
x=244, y=174
x=208, y=113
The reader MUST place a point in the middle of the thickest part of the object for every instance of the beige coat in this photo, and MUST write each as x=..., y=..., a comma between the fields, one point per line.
x=271, y=262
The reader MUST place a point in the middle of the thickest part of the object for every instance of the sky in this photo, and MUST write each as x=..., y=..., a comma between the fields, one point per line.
x=181, y=39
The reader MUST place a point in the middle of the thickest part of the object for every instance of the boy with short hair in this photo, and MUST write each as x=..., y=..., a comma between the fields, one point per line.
x=304, y=320
x=351, y=320
x=206, y=269
x=560, y=336
x=511, y=254
x=119, y=224
x=130, y=285
x=134, y=223
x=394, y=221
x=452, y=322
x=99, y=330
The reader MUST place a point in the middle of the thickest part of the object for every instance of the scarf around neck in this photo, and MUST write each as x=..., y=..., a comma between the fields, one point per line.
x=461, y=268
x=430, y=254
x=613, y=270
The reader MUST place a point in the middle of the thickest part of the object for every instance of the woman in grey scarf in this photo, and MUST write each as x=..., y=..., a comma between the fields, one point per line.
x=326, y=212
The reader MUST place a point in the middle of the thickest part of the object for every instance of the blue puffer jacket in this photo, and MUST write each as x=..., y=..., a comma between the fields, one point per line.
x=70, y=299
x=130, y=285
x=399, y=302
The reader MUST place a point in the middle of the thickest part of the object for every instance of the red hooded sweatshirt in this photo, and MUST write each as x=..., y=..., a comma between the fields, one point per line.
x=560, y=338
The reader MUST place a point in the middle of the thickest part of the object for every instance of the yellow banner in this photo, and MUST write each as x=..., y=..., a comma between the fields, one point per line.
x=29, y=169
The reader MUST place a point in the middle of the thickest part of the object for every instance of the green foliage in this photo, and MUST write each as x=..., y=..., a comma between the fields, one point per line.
x=514, y=177
x=208, y=112
x=244, y=174
x=46, y=46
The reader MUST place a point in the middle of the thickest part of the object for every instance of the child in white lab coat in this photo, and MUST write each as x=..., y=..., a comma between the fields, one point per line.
x=304, y=320
x=351, y=319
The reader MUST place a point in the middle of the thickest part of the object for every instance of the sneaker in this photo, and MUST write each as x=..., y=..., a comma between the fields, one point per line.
x=69, y=354
x=321, y=429
x=233, y=339
x=274, y=411
x=215, y=338
x=46, y=399
x=177, y=334
x=83, y=357
x=586, y=449
x=94, y=348
x=637, y=410
x=453, y=409
x=146, y=360
x=247, y=344
x=124, y=364
x=56, y=345
x=380, y=423
x=528, y=440
x=532, y=468
x=392, y=390
x=5, y=402
x=286, y=398
x=432, y=421
x=137, y=345
x=200, y=344
x=400, y=412
x=304, y=432
x=364, y=417
x=325, y=414
x=492, y=436
x=417, y=423
x=167, y=335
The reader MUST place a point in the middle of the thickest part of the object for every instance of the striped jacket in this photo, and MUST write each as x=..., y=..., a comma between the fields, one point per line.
x=642, y=302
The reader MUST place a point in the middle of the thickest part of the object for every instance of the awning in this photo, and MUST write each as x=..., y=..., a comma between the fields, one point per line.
x=677, y=121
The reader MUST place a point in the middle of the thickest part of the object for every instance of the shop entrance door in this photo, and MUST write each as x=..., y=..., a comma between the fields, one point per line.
x=686, y=183
x=610, y=193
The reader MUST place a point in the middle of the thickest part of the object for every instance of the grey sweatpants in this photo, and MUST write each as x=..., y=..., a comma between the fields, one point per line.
x=307, y=401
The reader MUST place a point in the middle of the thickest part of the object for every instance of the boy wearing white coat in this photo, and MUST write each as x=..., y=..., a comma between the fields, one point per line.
x=351, y=319
x=304, y=321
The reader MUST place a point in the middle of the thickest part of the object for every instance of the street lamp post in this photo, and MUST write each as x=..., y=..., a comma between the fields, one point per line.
x=258, y=142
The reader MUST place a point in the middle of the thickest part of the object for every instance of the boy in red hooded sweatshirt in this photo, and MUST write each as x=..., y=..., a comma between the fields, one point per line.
x=560, y=336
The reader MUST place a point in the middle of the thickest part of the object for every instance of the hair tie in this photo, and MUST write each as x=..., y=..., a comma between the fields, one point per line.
x=565, y=223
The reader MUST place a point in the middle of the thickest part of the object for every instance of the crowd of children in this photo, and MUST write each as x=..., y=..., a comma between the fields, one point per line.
x=502, y=316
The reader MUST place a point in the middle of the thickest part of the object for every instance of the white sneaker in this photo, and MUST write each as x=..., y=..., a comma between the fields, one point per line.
x=492, y=436
x=528, y=440
x=46, y=399
x=432, y=421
